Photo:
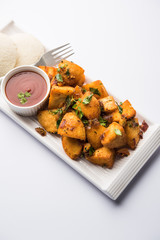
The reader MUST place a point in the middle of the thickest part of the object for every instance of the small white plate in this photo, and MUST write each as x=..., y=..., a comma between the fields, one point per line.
x=113, y=181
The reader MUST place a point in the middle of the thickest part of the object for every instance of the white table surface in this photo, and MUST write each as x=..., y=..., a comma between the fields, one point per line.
x=40, y=196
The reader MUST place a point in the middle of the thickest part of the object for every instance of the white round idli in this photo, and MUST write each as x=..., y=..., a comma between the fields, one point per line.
x=29, y=48
x=8, y=54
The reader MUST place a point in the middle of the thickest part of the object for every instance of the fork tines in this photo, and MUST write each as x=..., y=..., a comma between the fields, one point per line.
x=62, y=52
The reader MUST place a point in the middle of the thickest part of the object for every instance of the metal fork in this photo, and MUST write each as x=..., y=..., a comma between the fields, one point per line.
x=54, y=56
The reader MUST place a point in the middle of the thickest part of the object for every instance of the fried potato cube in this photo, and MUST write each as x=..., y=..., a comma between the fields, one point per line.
x=72, y=147
x=103, y=157
x=48, y=120
x=89, y=106
x=71, y=126
x=114, y=136
x=71, y=73
x=58, y=96
x=128, y=111
x=51, y=71
x=97, y=88
x=108, y=104
x=93, y=135
x=132, y=130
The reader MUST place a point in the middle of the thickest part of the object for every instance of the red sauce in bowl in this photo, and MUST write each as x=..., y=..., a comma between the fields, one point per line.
x=27, y=81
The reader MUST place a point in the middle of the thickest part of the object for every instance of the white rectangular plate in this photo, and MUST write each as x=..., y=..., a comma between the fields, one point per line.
x=113, y=181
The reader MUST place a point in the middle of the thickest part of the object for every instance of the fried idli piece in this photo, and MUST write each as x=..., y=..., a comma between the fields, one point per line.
x=93, y=135
x=102, y=156
x=72, y=147
x=50, y=71
x=118, y=117
x=97, y=88
x=77, y=92
x=48, y=120
x=71, y=126
x=89, y=106
x=114, y=136
x=58, y=96
x=71, y=73
x=128, y=111
x=124, y=112
x=132, y=130
x=108, y=104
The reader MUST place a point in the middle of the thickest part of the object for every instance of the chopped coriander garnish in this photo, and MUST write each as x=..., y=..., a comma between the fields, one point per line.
x=67, y=72
x=117, y=132
x=91, y=151
x=58, y=69
x=23, y=100
x=54, y=112
x=79, y=112
x=84, y=90
x=74, y=106
x=23, y=97
x=58, y=122
x=27, y=94
x=85, y=122
x=59, y=77
x=88, y=99
x=80, y=115
x=79, y=100
x=95, y=91
x=20, y=95
x=119, y=108
x=103, y=122
x=68, y=103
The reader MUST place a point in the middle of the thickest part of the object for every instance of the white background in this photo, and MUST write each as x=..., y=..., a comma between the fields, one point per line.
x=40, y=196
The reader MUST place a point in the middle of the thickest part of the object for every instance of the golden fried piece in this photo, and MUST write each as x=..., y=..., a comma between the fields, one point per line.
x=97, y=88
x=72, y=147
x=108, y=104
x=51, y=71
x=114, y=136
x=102, y=156
x=128, y=111
x=132, y=130
x=93, y=135
x=58, y=96
x=48, y=120
x=124, y=112
x=117, y=117
x=71, y=126
x=77, y=92
x=71, y=73
x=89, y=106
